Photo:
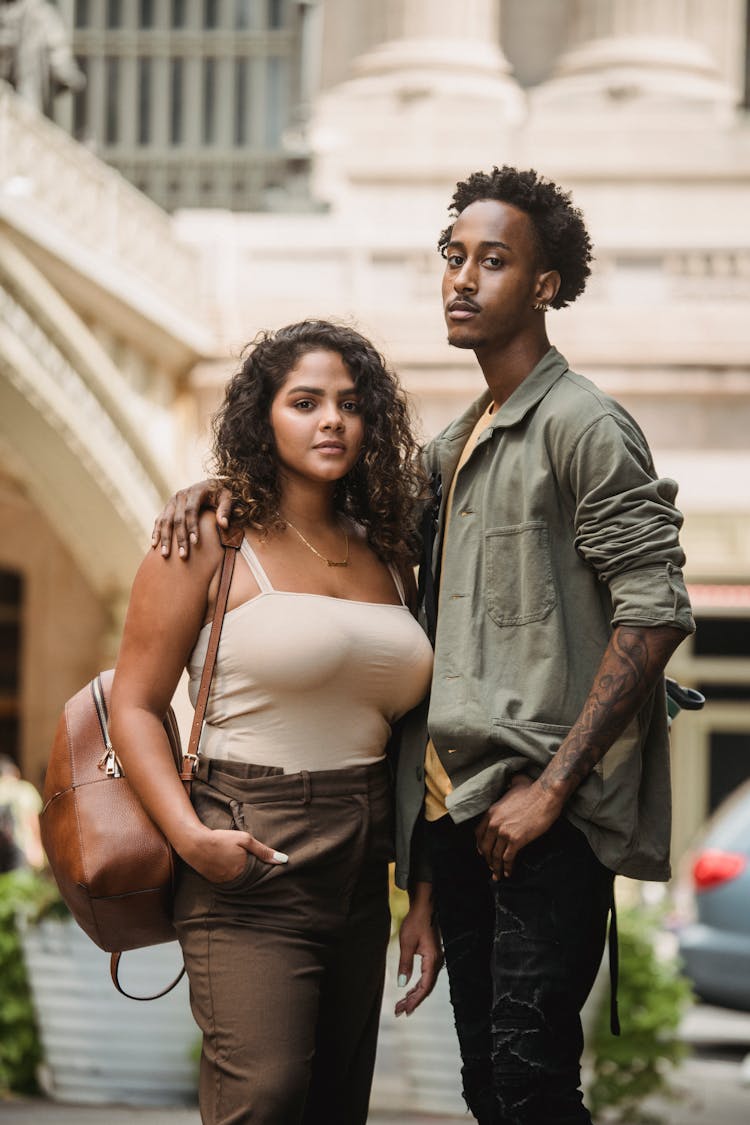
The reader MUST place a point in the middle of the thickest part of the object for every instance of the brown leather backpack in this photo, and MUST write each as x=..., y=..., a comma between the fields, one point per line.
x=114, y=867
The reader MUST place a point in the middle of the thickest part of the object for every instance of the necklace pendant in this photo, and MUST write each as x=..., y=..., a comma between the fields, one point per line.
x=316, y=552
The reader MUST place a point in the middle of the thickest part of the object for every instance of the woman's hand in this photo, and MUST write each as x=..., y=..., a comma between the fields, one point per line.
x=419, y=935
x=180, y=516
x=220, y=854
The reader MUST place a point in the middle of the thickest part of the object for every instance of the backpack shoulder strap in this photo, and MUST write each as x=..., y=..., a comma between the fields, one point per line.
x=231, y=541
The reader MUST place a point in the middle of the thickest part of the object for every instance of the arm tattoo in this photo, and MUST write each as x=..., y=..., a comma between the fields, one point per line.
x=630, y=667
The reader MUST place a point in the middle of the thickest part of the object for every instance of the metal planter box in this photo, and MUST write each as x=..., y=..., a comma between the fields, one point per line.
x=100, y=1047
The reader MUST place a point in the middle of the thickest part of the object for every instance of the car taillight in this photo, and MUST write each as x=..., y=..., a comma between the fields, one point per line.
x=714, y=867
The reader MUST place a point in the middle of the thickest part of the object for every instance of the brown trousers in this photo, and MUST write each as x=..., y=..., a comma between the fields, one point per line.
x=286, y=962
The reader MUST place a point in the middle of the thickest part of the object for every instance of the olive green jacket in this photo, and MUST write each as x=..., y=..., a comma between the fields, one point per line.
x=560, y=530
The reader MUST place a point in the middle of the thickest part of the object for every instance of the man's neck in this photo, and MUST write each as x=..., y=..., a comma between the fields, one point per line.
x=504, y=370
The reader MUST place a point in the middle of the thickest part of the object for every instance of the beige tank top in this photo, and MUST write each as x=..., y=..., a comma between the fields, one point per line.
x=308, y=681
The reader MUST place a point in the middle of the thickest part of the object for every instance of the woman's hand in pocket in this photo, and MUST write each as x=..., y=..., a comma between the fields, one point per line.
x=220, y=855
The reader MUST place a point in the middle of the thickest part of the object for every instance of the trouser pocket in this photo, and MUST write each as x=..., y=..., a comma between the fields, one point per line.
x=220, y=811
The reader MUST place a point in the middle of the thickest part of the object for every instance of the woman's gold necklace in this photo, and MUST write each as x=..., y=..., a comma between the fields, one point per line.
x=323, y=558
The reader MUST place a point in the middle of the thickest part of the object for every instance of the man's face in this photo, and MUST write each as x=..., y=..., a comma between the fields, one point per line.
x=491, y=275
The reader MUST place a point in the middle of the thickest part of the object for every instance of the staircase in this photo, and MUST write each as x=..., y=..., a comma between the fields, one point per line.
x=61, y=197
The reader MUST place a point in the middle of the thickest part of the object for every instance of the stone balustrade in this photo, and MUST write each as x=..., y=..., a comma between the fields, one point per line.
x=65, y=191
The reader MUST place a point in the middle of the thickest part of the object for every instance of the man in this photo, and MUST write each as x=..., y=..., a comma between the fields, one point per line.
x=20, y=805
x=557, y=562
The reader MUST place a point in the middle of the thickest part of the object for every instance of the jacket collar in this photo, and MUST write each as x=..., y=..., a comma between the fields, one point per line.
x=449, y=445
x=530, y=392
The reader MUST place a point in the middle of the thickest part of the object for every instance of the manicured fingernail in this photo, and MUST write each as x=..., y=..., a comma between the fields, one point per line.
x=193, y=537
x=280, y=857
x=164, y=549
x=182, y=552
x=402, y=979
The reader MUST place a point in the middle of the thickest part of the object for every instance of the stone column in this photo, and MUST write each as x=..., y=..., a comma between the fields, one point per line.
x=627, y=50
x=424, y=34
x=433, y=101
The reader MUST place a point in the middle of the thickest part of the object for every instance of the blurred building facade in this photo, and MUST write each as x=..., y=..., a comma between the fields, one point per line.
x=307, y=152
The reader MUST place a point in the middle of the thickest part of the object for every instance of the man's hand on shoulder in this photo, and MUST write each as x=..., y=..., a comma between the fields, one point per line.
x=521, y=815
x=180, y=516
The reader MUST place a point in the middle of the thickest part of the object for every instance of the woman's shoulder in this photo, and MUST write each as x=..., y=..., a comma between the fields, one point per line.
x=209, y=532
x=206, y=554
x=202, y=560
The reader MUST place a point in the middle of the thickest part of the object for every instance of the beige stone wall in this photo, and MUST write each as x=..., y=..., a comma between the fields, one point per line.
x=64, y=626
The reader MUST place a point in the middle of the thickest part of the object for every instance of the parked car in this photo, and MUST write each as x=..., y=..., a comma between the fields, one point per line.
x=715, y=946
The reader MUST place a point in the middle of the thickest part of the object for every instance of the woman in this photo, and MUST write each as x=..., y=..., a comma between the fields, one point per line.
x=282, y=908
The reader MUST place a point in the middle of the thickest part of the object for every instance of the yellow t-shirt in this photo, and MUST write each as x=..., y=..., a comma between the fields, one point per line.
x=437, y=782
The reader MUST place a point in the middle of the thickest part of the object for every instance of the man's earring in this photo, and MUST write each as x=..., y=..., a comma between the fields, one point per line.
x=540, y=306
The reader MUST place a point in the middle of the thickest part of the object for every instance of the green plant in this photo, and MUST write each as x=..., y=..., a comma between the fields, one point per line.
x=652, y=999
x=23, y=893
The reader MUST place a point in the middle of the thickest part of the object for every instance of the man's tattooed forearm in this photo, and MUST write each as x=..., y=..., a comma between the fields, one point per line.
x=634, y=659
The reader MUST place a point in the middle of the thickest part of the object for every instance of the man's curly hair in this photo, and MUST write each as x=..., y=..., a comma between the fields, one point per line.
x=562, y=239
x=378, y=493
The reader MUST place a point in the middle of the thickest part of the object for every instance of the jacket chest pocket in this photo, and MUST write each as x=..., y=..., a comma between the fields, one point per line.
x=518, y=573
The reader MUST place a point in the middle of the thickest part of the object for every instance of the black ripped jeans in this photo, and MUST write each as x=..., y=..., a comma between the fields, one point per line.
x=522, y=955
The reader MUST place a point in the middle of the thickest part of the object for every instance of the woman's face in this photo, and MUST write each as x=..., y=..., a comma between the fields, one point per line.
x=317, y=420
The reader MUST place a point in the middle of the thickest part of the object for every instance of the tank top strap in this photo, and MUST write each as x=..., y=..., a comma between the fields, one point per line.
x=256, y=569
x=398, y=583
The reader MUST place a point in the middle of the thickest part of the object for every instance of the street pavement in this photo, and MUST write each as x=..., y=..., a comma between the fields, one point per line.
x=713, y=1086
x=49, y=1113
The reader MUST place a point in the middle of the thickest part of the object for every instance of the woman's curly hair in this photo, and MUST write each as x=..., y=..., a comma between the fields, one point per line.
x=379, y=492
x=561, y=236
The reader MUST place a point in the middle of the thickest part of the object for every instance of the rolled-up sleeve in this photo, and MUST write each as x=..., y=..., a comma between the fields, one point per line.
x=627, y=526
